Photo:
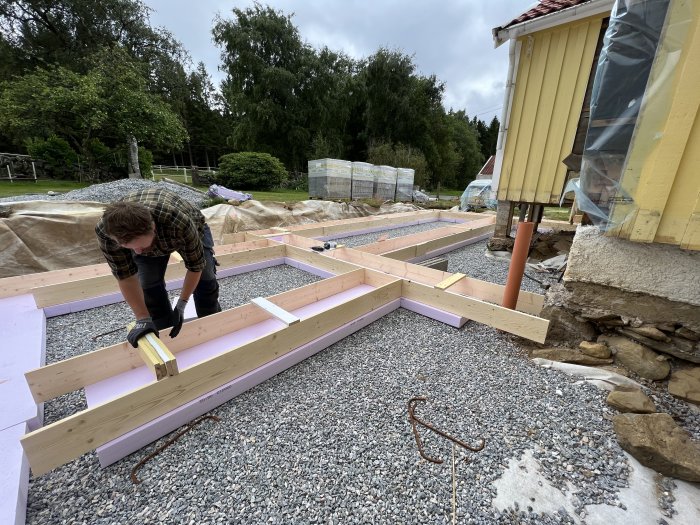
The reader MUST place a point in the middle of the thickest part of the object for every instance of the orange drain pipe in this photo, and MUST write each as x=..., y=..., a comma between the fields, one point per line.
x=523, y=236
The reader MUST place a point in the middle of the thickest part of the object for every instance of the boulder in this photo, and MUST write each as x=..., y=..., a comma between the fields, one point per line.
x=657, y=442
x=631, y=399
x=569, y=355
x=688, y=334
x=598, y=350
x=565, y=327
x=684, y=350
x=686, y=384
x=637, y=358
x=651, y=332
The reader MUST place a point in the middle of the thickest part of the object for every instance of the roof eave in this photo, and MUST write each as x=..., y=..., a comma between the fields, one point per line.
x=570, y=14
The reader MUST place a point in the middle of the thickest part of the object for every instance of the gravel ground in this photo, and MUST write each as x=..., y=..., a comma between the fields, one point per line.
x=328, y=441
x=111, y=191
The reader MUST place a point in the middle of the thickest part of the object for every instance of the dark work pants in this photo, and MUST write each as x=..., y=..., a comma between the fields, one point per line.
x=152, y=279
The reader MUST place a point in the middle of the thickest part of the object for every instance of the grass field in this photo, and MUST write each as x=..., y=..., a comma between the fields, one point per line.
x=26, y=187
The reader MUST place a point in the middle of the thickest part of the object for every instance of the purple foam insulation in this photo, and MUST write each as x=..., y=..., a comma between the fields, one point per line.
x=236, y=270
x=145, y=434
x=125, y=382
x=14, y=476
x=23, y=349
x=450, y=248
x=116, y=297
x=434, y=313
x=308, y=268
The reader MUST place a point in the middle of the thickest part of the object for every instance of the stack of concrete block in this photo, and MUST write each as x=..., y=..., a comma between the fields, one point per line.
x=404, y=184
x=330, y=179
x=385, y=183
x=362, y=180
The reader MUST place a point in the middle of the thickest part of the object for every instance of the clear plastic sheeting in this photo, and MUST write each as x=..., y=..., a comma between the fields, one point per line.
x=385, y=183
x=330, y=179
x=478, y=195
x=362, y=180
x=404, y=184
x=622, y=88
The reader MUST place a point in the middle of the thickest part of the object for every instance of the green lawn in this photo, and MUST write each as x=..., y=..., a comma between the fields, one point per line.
x=24, y=187
x=556, y=213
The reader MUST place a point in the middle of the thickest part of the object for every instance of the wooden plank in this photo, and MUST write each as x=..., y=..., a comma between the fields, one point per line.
x=511, y=321
x=102, y=285
x=21, y=284
x=528, y=302
x=444, y=285
x=231, y=238
x=64, y=440
x=411, y=252
x=408, y=241
x=72, y=374
x=275, y=311
x=150, y=357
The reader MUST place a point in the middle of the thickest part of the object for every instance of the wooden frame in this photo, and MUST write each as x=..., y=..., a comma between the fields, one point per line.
x=376, y=280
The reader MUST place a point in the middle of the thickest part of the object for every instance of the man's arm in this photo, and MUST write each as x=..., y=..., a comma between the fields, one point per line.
x=190, y=283
x=133, y=295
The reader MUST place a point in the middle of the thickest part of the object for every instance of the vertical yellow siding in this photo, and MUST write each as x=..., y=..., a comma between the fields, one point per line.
x=550, y=87
x=662, y=173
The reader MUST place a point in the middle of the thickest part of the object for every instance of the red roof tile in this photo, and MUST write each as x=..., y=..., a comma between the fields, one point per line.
x=545, y=7
x=487, y=169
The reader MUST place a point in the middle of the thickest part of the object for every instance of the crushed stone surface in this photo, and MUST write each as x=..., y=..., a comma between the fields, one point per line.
x=400, y=231
x=329, y=441
x=112, y=191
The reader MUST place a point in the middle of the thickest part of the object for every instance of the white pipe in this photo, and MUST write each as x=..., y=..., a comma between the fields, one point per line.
x=513, y=59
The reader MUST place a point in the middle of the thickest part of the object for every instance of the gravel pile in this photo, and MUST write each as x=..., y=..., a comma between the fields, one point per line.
x=112, y=191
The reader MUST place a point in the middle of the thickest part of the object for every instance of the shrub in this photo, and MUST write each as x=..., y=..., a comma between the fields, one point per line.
x=250, y=171
x=60, y=159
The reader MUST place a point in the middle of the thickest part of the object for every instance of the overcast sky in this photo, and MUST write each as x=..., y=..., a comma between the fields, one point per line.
x=448, y=38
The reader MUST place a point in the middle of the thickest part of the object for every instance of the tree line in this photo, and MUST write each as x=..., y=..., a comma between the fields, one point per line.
x=94, y=86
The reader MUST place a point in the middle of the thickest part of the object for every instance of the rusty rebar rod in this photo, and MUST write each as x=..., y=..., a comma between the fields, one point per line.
x=190, y=426
x=415, y=420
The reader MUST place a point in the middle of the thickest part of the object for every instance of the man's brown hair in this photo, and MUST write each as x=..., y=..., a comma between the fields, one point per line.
x=124, y=221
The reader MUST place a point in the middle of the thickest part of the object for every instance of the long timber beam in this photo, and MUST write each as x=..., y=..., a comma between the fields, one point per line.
x=528, y=302
x=77, y=372
x=67, y=439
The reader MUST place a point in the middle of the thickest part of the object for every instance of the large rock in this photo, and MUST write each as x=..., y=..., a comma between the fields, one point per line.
x=685, y=350
x=637, y=358
x=686, y=384
x=631, y=399
x=657, y=442
x=565, y=327
x=569, y=355
x=599, y=350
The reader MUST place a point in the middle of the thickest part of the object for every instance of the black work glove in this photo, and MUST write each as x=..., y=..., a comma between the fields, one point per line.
x=142, y=327
x=178, y=317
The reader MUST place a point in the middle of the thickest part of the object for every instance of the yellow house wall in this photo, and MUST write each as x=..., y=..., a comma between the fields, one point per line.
x=662, y=172
x=550, y=85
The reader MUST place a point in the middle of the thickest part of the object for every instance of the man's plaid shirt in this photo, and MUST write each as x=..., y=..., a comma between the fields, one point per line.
x=179, y=228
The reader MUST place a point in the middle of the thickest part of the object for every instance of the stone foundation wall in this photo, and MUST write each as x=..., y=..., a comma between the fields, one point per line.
x=646, y=292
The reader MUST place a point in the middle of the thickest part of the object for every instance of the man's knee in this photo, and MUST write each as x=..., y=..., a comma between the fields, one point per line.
x=206, y=297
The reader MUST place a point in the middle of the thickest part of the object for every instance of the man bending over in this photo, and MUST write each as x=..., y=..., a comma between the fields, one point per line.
x=137, y=235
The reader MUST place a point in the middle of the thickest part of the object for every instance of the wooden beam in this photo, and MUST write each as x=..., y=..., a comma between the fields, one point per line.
x=67, y=439
x=72, y=374
x=275, y=311
x=528, y=302
x=444, y=285
x=60, y=293
x=511, y=321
